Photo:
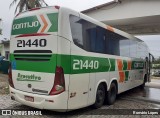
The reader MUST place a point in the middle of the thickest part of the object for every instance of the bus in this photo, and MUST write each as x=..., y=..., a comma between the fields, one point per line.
x=63, y=60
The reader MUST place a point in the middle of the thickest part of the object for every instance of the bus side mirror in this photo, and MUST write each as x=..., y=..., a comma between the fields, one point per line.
x=152, y=59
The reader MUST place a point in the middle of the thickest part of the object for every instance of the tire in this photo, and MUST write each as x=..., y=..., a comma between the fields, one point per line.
x=142, y=86
x=100, y=96
x=111, y=94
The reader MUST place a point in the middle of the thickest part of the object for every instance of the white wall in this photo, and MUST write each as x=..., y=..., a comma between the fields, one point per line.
x=127, y=9
x=137, y=17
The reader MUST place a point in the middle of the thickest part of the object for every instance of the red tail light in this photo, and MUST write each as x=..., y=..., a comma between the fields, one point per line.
x=10, y=76
x=57, y=7
x=59, y=82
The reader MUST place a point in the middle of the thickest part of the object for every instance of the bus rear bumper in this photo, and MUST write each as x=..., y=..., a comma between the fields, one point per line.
x=55, y=102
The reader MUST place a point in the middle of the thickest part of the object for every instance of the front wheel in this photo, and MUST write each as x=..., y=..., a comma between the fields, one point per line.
x=100, y=96
x=111, y=94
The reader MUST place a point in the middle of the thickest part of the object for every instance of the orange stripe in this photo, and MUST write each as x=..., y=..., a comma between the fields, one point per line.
x=129, y=65
x=45, y=23
x=110, y=28
x=120, y=64
x=121, y=76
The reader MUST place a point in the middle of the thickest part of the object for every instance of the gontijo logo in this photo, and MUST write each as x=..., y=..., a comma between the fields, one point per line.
x=26, y=25
x=36, y=24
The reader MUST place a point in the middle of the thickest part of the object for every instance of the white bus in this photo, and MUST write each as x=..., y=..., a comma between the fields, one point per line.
x=64, y=60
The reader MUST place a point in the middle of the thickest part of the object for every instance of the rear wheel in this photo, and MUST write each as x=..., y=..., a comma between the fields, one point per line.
x=111, y=94
x=100, y=96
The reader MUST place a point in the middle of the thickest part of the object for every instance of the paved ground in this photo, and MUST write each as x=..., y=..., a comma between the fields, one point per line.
x=133, y=99
x=155, y=83
x=3, y=84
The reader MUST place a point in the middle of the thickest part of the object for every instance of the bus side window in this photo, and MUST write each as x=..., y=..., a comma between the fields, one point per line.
x=100, y=40
x=92, y=34
x=76, y=30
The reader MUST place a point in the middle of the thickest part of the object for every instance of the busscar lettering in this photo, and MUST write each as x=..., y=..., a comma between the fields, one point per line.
x=26, y=25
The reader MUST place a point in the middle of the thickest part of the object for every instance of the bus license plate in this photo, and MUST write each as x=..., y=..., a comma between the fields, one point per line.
x=29, y=98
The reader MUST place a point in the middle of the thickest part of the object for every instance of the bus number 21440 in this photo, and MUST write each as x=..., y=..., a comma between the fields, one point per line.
x=81, y=64
x=32, y=43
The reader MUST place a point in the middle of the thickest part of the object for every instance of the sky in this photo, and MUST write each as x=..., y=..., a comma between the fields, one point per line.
x=7, y=15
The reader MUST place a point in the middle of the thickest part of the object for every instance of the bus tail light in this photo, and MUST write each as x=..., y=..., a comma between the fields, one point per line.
x=59, y=82
x=57, y=7
x=10, y=76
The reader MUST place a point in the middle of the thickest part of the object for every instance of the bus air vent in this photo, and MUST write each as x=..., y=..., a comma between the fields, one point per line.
x=33, y=55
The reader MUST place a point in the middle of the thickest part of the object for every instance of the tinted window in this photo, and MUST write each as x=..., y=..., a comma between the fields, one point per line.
x=117, y=44
x=112, y=43
x=133, y=48
x=124, y=47
x=87, y=35
x=100, y=40
x=141, y=50
x=76, y=29
x=94, y=38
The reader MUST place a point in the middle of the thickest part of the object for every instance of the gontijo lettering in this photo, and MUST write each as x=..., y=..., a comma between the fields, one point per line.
x=26, y=25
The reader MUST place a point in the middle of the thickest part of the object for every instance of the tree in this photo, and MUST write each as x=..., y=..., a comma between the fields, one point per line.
x=27, y=4
x=157, y=61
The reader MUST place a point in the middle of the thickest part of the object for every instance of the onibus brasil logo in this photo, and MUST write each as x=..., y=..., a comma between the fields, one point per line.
x=32, y=77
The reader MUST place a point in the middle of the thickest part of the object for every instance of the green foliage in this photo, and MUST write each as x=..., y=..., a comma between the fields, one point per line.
x=156, y=67
x=157, y=61
x=27, y=4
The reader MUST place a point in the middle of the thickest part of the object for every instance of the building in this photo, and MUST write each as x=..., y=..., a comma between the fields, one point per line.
x=4, y=48
x=4, y=45
x=137, y=17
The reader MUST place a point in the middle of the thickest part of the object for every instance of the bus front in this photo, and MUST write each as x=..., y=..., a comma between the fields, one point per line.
x=34, y=77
